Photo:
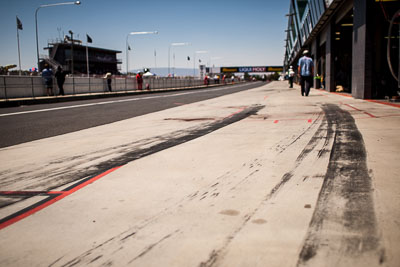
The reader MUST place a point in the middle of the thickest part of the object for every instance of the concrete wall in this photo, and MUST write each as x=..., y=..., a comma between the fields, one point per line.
x=33, y=86
x=15, y=86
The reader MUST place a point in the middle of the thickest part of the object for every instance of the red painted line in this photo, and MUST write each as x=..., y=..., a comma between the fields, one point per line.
x=350, y=106
x=336, y=93
x=54, y=200
x=369, y=100
x=233, y=114
x=80, y=186
x=369, y=114
x=383, y=103
x=346, y=95
x=30, y=212
x=286, y=119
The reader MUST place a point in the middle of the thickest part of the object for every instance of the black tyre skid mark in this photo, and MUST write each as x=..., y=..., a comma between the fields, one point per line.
x=347, y=180
x=347, y=158
x=322, y=132
x=140, y=153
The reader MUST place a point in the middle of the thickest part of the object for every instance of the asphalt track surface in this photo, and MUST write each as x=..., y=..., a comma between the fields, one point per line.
x=28, y=123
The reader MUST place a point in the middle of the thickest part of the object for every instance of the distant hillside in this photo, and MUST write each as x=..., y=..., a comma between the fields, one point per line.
x=164, y=71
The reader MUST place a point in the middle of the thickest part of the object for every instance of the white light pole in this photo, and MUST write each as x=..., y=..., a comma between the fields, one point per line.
x=169, y=52
x=134, y=33
x=194, y=61
x=36, y=24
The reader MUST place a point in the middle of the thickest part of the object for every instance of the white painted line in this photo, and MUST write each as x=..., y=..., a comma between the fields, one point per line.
x=113, y=102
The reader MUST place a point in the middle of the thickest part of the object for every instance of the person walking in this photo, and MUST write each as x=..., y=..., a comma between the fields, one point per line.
x=47, y=75
x=305, y=71
x=60, y=77
x=291, y=76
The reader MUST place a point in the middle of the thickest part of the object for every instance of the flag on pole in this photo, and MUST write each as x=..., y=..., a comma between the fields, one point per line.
x=19, y=27
x=19, y=24
x=89, y=40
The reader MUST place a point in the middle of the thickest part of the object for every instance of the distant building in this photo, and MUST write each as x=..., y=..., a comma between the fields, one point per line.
x=348, y=41
x=101, y=60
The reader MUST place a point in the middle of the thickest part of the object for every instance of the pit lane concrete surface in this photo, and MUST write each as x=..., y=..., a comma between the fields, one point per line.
x=263, y=177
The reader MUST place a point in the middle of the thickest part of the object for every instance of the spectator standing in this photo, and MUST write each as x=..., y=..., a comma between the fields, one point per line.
x=60, y=77
x=47, y=75
x=216, y=79
x=206, y=80
x=108, y=77
x=139, y=80
x=305, y=70
x=291, y=76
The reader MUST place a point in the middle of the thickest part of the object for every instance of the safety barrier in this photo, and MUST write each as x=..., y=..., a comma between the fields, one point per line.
x=33, y=86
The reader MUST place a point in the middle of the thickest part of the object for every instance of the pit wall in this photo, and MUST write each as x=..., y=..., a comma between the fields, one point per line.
x=33, y=86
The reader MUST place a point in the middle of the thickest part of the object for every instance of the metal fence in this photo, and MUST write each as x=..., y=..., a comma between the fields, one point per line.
x=33, y=86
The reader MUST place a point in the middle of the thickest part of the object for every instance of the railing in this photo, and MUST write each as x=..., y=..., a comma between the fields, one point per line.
x=33, y=86
x=54, y=64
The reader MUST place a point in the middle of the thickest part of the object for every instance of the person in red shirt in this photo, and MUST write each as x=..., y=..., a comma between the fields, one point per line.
x=206, y=80
x=139, y=80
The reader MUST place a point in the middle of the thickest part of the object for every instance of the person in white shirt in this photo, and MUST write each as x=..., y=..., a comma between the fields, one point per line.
x=291, y=76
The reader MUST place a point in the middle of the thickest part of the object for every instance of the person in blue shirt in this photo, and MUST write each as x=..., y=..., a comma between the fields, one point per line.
x=47, y=75
x=305, y=71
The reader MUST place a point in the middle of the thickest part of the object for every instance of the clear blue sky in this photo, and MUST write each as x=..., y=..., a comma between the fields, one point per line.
x=235, y=33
